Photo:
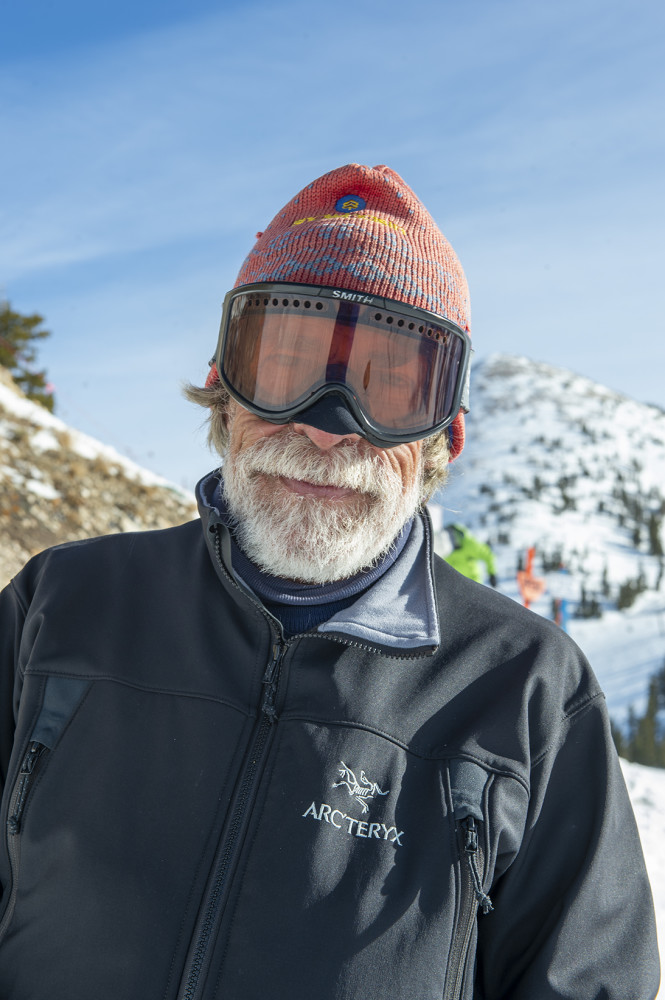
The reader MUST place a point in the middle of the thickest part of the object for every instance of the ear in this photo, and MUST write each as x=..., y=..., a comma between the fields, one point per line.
x=456, y=436
x=213, y=376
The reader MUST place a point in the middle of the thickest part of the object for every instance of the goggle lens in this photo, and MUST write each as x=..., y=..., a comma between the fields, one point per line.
x=280, y=349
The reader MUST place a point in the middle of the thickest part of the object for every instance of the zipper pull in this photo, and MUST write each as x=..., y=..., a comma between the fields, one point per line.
x=270, y=682
x=33, y=754
x=470, y=835
x=471, y=852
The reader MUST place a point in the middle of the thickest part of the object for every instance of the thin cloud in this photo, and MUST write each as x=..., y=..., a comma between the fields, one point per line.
x=141, y=168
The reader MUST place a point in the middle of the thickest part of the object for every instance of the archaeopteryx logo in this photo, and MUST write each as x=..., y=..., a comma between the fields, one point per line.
x=360, y=790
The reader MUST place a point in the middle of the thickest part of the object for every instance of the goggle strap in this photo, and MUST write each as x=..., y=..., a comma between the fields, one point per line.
x=466, y=391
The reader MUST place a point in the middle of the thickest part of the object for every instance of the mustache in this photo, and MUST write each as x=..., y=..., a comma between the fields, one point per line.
x=351, y=465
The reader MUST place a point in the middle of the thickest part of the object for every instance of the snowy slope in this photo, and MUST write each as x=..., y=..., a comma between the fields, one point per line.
x=556, y=461
x=48, y=430
x=57, y=485
x=646, y=786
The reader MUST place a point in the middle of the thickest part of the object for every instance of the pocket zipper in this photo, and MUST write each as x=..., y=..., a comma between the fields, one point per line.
x=471, y=852
x=472, y=896
x=26, y=777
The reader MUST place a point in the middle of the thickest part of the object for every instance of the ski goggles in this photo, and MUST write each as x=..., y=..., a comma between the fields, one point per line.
x=403, y=372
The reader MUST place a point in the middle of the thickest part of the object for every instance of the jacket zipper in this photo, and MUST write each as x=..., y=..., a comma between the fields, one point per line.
x=330, y=637
x=472, y=860
x=214, y=896
x=225, y=853
x=26, y=778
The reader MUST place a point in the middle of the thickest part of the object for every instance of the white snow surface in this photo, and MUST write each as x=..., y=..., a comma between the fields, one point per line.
x=558, y=462
x=646, y=787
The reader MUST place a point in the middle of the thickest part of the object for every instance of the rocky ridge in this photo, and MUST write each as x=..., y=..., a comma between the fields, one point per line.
x=58, y=485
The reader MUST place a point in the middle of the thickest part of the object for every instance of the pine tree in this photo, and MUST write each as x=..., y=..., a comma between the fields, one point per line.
x=655, y=544
x=644, y=738
x=18, y=353
x=647, y=747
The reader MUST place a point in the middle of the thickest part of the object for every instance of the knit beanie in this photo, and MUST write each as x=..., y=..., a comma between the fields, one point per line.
x=363, y=229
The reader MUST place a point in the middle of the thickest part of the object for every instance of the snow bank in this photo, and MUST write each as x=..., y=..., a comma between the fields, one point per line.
x=646, y=786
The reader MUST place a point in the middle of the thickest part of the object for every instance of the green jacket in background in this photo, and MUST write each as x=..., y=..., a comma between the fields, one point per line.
x=468, y=553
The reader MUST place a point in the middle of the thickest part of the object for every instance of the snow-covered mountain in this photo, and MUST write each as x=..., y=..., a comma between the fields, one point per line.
x=558, y=462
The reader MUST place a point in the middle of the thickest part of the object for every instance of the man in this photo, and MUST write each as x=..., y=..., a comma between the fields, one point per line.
x=462, y=550
x=290, y=755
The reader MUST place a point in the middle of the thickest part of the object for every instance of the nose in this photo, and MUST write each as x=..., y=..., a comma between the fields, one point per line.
x=323, y=439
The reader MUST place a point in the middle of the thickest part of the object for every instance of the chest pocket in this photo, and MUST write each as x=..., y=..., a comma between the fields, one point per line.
x=468, y=783
x=62, y=696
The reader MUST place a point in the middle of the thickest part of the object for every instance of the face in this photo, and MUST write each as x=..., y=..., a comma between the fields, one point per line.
x=314, y=506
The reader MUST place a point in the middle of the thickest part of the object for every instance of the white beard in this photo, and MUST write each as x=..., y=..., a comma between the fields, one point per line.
x=313, y=539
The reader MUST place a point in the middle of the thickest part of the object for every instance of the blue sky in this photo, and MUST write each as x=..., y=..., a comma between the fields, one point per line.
x=145, y=144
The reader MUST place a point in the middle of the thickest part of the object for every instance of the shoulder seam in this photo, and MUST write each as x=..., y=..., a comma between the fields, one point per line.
x=587, y=700
x=17, y=596
x=570, y=716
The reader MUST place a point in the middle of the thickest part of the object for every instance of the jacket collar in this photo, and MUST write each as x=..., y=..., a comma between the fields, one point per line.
x=399, y=611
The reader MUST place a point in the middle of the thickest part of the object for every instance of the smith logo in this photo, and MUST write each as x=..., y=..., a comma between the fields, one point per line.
x=366, y=300
x=361, y=790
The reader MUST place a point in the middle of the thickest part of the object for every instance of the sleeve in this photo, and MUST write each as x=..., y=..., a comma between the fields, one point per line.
x=12, y=617
x=573, y=913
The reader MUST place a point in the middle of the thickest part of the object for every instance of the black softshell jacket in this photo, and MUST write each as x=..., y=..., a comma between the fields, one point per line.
x=195, y=808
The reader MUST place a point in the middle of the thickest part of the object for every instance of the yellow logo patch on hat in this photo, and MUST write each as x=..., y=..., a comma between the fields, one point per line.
x=350, y=203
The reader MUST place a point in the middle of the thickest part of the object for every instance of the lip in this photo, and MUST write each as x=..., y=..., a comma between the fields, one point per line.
x=305, y=489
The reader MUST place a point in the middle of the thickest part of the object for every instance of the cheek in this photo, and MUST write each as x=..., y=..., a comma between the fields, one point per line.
x=405, y=460
x=245, y=429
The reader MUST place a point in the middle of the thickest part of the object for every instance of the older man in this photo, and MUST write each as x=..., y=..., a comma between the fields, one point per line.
x=293, y=755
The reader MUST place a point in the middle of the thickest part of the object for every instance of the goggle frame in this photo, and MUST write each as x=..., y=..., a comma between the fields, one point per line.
x=377, y=435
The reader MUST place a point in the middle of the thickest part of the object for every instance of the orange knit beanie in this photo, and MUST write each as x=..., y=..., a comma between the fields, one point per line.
x=363, y=229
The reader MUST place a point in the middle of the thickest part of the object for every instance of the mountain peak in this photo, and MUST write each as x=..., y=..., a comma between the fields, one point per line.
x=560, y=463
